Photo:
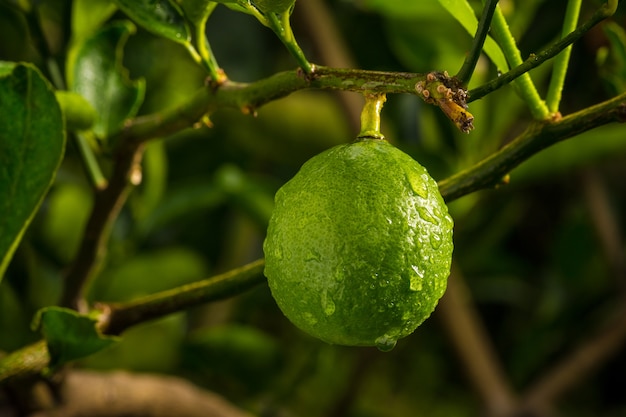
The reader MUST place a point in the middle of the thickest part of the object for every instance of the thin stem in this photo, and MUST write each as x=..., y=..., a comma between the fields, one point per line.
x=491, y=171
x=561, y=62
x=107, y=206
x=124, y=315
x=203, y=47
x=370, y=116
x=465, y=73
x=608, y=9
x=92, y=166
x=281, y=26
x=526, y=87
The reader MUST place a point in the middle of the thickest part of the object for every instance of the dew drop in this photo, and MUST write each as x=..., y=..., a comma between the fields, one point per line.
x=313, y=256
x=385, y=343
x=340, y=275
x=426, y=215
x=415, y=283
x=310, y=318
x=435, y=241
x=328, y=305
x=418, y=185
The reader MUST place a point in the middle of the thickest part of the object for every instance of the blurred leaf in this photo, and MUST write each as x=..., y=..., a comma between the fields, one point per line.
x=612, y=59
x=32, y=142
x=197, y=11
x=149, y=194
x=464, y=14
x=430, y=11
x=88, y=16
x=100, y=78
x=181, y=202
x=13, y=320
x=67, y=210
x=161, y=17
x=6, y=68
x=274, y=6
x=78, y=113
x=69, y=335
x=246, y=193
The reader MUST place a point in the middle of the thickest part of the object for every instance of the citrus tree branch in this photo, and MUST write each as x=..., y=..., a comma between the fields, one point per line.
x=249, y=96
x=107, y=204
x=534, y=60
x=491, y=171
x=117, y=317
x=120, y=316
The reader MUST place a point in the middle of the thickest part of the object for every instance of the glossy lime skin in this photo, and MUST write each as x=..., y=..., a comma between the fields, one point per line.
x=359, y=245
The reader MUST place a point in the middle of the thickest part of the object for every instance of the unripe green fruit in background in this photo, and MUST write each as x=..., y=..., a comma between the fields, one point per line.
x=359, y=245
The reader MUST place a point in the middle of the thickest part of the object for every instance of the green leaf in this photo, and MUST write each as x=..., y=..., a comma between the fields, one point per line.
x=161, y=17
x=88, y=16
x=32, y=143
x=102, y=80
x=431, y=10
x=6, y=68
x=464, y=14
x=274, y=6
x=197, y=11
x=69, y=335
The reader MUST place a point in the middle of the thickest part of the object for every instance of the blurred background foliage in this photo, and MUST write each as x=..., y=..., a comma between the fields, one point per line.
x=543, y=256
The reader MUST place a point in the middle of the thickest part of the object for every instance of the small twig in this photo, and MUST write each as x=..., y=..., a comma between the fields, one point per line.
x=249, y=96
x=107, y=205
x=474, y=348
x=561, y=62
x=608, y=9
x=492, y=170
x=115, y=318
x=118, y=317
x=465, y=73
x=606, y=224
x=527, y=89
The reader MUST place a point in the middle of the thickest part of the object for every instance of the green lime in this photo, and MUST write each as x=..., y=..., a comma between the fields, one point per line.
x=359, y=245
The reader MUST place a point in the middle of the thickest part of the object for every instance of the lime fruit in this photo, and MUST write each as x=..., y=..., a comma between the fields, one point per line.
x=359, y=245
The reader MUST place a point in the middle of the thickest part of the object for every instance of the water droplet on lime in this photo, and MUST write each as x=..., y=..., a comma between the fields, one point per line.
x=385, y=343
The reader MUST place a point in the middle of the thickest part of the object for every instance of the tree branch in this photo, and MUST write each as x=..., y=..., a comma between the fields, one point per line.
x=491, y=171
x=107, y=206
x=471, y=342
x=117, y=317
x=247, y=97
x=120, y=316
x=534, y=60
x=95, y=394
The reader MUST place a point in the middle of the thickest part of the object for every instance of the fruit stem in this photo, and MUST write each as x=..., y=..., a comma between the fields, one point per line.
x=370, y=116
